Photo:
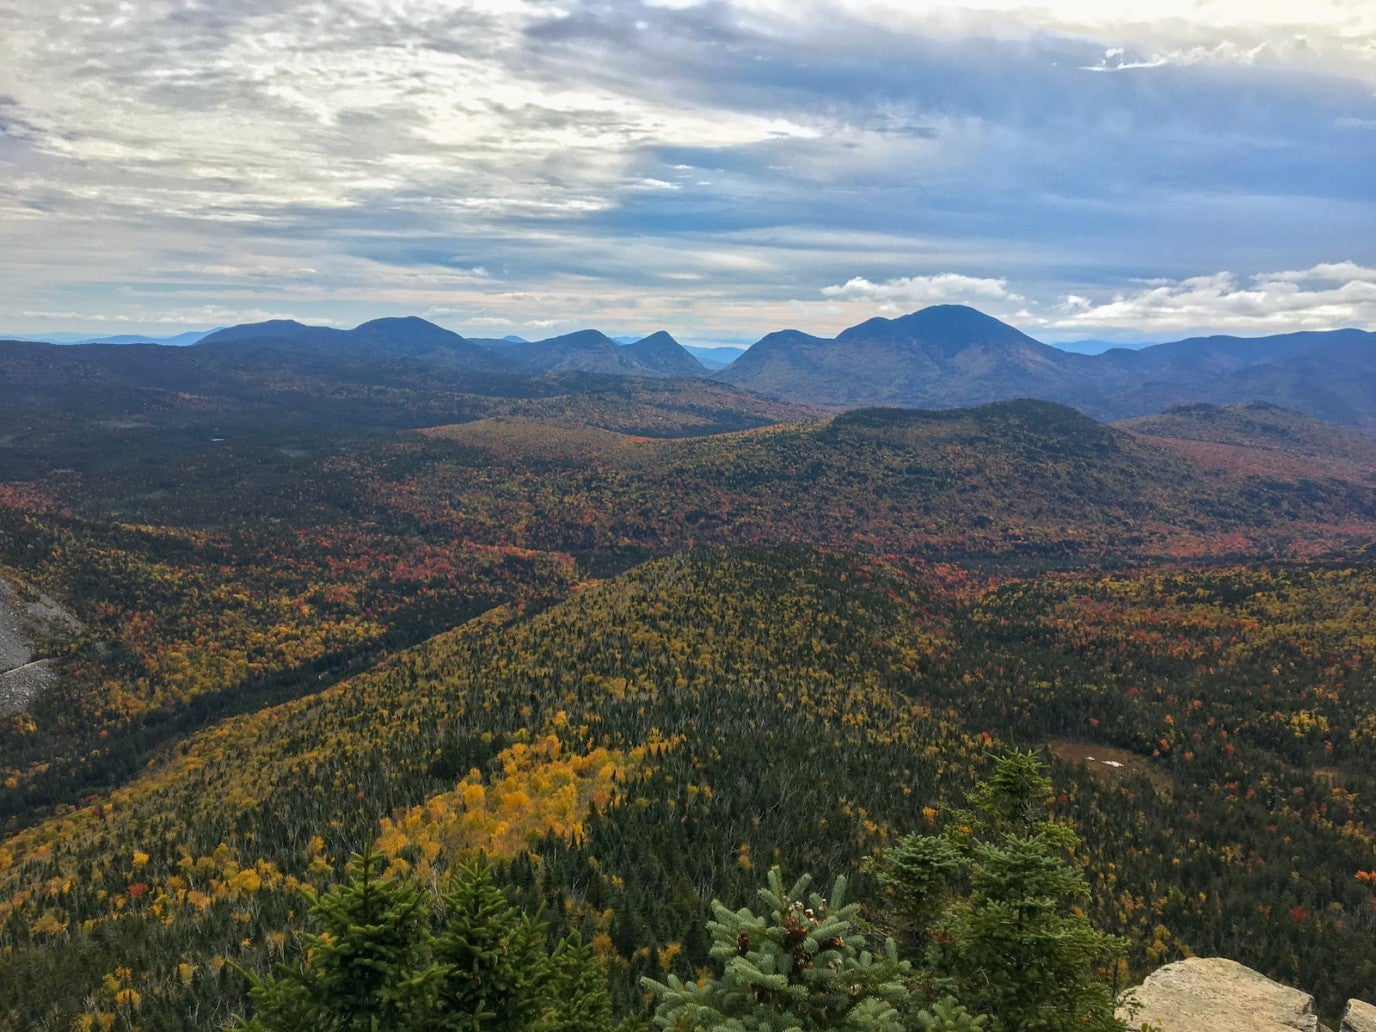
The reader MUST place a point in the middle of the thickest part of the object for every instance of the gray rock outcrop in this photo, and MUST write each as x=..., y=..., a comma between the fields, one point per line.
x=1217, y=995
x=28, y=621
x=1360, y=1017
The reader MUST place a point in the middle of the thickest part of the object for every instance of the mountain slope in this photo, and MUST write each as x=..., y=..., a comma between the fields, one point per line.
x=952, y=355
x=655, y=737
x=408, y=338
x=591, y=351
x=316, y=554
x=1226, y=354
x=944, y=356
x=1329, y=376
x=1336, y=383
x=664, y=355
x=1023, y=481
x=1261, y=439
x=695, y=671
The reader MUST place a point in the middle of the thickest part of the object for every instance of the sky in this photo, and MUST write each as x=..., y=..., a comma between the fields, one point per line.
x=1101, y=169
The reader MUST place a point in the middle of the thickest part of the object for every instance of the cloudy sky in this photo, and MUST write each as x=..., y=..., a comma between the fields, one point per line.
x=1083, y=168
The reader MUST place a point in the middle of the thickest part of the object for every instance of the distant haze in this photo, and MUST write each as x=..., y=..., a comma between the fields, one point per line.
x=1097, y=347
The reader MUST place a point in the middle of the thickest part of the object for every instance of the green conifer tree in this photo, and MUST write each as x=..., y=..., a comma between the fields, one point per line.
x=496, y=972
x=990, y=909
x=802, y=966
x=579, y=1001
x=366, y=969
x=376, y=965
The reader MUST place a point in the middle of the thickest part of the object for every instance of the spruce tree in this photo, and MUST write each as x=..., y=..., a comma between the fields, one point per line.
x=802, y=966
x=495, y=970
x=366, y=969
x=389, y=957
x=579, y=1001
x=990, y=910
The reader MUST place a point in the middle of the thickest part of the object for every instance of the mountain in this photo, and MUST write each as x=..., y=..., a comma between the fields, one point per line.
x=1018, y=481
x=951, y=355
x=588, y=351
x=1329, y=375
x=1220, y=354
x=272, y=329
x=943, y=356
x=666, y=356
x=640, y=671
x=700, y=714
x=408, y=338
x=592, y=351
x=178, y=340
x=1261, y=439
x=1335, y=382
x=414, y=339
x=1094, y=347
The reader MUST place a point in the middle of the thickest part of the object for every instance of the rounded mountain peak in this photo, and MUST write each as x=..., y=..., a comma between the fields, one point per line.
x=938, y=324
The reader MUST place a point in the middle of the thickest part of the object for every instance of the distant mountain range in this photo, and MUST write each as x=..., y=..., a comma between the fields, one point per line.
x=1097, y=347
x=942, y=357
x=591, y=351
x=587, y=351
x=389, y=339
x=176, y=340
x=945, y=356
x=950, y=356
x=715, y=358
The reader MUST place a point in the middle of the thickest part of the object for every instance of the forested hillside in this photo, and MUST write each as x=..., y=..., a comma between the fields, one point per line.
x=641, y=667
x=655, y=739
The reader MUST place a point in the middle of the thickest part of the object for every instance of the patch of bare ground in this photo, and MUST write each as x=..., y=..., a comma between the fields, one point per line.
x=1107, y=763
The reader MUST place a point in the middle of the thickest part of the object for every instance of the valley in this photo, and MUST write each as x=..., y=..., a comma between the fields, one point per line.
x=641, y=638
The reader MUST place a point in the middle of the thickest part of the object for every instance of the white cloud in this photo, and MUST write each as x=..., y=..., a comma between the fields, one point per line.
x=1322, y=297
x=1329, y=36
x=946, y=287
x=653, y=184
x=1296, y=50
x=1326, y=272
x=334, y=158
x=261, y=107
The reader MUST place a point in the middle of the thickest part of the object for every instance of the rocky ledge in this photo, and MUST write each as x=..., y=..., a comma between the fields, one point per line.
x=1360, y=1017
x=1218, y=995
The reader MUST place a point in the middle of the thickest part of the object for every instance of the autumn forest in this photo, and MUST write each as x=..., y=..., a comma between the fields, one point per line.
x=640, y=640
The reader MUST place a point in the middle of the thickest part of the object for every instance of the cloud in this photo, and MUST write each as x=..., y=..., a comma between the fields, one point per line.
x=696, y=164
x=1335, y=34
x=1295, y=51
x=1324, y=296
x=1329, y=273
x=198, y=317
x=946, y=287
